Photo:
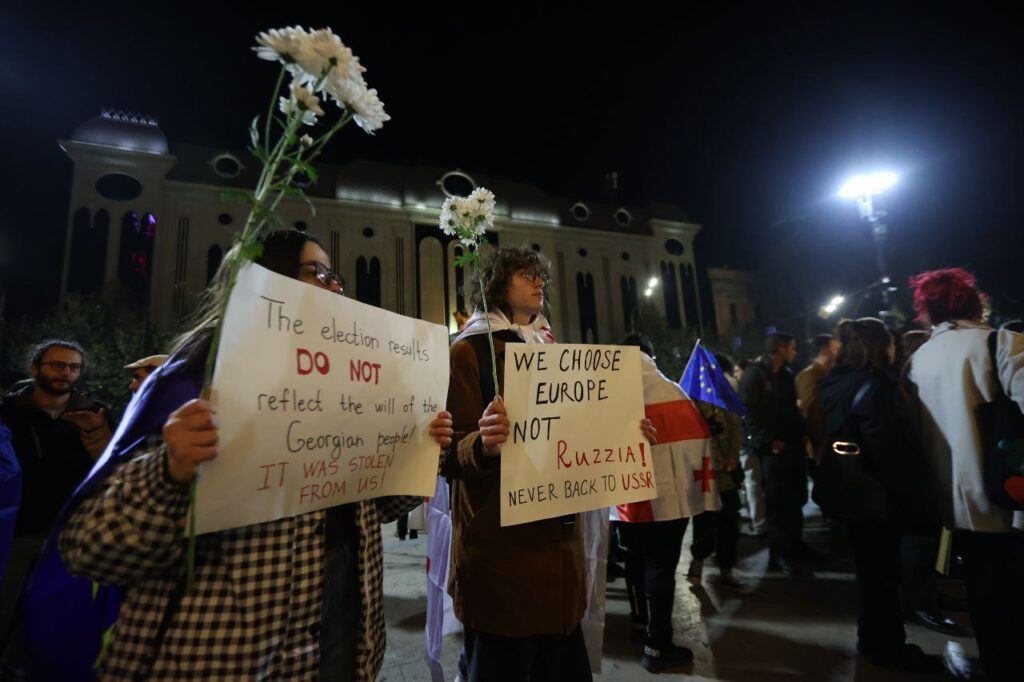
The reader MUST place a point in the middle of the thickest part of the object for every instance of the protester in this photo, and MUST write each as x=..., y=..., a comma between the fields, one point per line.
x=718, y=531
x=57, y=431
x=774, y=432
x=867, y=425
x=825, y=348
x=298, y=598
x=964, y=365
x=141, y=369
x=520, y=591
x=653, y=530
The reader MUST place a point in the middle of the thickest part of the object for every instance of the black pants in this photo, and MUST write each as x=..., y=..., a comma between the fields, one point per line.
x=718, y=532
x=876, y=556
x=993, y=564
x=785, y=494
x=917, y=558
x=653, y=554
x=540, y=658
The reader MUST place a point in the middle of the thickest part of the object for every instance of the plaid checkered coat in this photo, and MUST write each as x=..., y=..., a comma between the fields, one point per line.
x=255, y=612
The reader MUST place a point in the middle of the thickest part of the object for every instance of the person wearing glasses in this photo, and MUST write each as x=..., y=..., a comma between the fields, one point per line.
x=57, y=433
x=298, y=598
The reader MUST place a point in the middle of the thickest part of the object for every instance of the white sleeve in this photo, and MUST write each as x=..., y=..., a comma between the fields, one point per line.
x=1010, y=362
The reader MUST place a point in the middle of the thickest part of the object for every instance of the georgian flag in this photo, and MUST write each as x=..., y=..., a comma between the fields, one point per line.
x=682, y=456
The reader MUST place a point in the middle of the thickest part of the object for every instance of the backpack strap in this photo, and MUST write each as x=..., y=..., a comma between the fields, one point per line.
x=483, y=359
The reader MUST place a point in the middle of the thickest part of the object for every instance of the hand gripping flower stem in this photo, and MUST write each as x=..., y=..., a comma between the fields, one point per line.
x=318, y=62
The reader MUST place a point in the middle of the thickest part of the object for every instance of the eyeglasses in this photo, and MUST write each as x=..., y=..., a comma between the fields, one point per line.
x=325, y=275
x=58, y=366
x=531, y=276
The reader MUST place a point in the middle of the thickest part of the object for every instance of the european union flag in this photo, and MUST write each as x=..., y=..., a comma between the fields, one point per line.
x=705, y=380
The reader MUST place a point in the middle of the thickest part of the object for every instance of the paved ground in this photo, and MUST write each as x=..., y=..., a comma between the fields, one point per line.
x=790, y=629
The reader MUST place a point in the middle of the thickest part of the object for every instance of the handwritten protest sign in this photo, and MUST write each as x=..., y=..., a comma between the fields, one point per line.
x=322, y=400
x=576, y=442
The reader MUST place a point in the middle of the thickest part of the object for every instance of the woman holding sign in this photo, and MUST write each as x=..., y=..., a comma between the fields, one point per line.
x=298, y=598
x=520, y=591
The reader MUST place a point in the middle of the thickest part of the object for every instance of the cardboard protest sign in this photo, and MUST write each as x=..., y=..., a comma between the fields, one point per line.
x=576, y=442
x=322, y=400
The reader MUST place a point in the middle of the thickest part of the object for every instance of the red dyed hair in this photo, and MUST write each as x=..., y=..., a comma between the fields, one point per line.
x=949, y=294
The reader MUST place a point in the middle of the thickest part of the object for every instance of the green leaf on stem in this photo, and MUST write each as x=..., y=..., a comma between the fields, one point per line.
x=298, y=193
x=250, y=250
x=237, y=195
x=307, y=168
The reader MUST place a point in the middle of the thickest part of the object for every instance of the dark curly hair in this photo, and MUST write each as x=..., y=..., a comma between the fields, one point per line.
x=865, y=343
x=497, y=269
x=949, y=294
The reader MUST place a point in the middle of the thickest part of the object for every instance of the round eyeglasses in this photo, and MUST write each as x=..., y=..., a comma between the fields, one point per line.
x=325, y=275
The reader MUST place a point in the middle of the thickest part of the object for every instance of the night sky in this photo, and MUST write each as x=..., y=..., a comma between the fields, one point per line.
x=747, y=116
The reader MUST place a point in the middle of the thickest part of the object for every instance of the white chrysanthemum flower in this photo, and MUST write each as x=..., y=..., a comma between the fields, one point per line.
x=353, y=95
x=325, y=50
x=469, y=241
x=448, y=222
x=281, y=44
x=368, y=111
x=306, y=141
x=484, y=200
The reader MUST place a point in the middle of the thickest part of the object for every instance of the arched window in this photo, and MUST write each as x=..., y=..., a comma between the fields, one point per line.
x=686, y=274
x=213, y=258
x=587, y=306
x=88, y=251
x=135, y=252
x=629, y=300
x=671, y=289
x=368, y=280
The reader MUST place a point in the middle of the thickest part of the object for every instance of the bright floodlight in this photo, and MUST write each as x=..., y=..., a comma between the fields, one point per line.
x=868, y=185
x=648, y=292
x=832, y=305
x=652, y=283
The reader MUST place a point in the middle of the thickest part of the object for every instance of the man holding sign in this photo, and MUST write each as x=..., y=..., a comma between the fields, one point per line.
x=297, y=597
x=519, y=590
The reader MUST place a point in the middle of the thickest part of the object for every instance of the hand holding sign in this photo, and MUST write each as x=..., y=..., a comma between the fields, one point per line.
x=494, y=428
x=650, y=433
x=191, y=435
x=441, y=429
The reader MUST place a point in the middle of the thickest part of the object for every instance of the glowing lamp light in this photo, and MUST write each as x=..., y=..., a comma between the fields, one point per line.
x=832, y=305
x=868, y=185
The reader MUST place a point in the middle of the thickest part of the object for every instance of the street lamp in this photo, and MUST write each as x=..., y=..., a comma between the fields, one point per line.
x=651, y=283
x=832, y=305
x=863, y=188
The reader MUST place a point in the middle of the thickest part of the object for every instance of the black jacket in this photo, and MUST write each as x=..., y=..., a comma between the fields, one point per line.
x=51, y=453
x=867, y=407
x=772, y=413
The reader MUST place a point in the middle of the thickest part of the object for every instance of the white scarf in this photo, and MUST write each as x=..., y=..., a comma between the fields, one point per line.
x=537, y=331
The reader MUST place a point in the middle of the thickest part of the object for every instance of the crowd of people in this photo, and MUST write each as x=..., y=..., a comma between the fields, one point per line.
x=905, y=439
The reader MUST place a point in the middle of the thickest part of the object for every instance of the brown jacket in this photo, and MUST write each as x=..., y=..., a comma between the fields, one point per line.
x=807, y=382
x=517, y=581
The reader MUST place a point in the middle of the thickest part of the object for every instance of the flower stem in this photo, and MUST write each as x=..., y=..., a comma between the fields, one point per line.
x=254, y=225
x=487, y=318
x=270, y=111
